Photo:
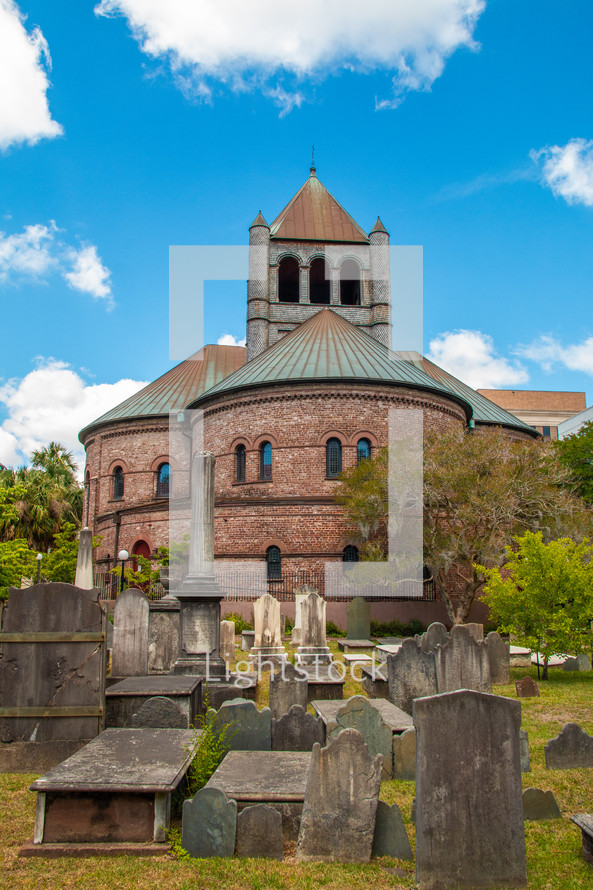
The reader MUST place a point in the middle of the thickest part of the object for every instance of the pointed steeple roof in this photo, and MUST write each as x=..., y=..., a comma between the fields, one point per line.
x=259, y=221
x=379, y=227
x=315, y=215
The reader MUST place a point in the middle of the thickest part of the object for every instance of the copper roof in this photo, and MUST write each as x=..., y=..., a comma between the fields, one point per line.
x=173, y=390
x=315, y=215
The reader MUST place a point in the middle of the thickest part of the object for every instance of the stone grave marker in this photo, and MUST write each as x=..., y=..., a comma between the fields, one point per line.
x=313, y=648
x=585, y=823
x=462, y=662
x=288, y=687
x=469, y=807
x=435, y=635
x=578, y=662
x=227, y=640
x=163, y=634
x=539, y=805
x=249, y=729
x=411, y=674
x=340, y=806
x=209, y=824
x=500, y=659
x=259, y=833
x=475, y=630
x=84, y=561
x=524, y=750
x=297, y=730
x=390, y=837
x=572, y=748
x=584, y=662
x=130, y=634
x=527, y=688
x=159, y=712
x=358, y=713
x=358, y=619
x=300, y=594
x=404, y=756
x=267, y=643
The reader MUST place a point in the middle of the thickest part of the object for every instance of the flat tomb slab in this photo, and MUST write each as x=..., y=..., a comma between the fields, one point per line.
x=397, y=719
x=389, y=648
x=351, y=658
x=345, y=645
x=585, y=823
x=125, y=698
x=156, y=684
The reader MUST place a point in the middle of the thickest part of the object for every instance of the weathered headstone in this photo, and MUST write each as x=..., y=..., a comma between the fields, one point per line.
x=300, y=594
x=209, y=824
x=163, y=634
x=130, y=634
x=288, y=687
x=358, y=619
x=571, y=664
x=159, y=712
x=584, y=662
x=267, y=643
x=462, y=662
x=572, y=748
x=391, y=838
x=524, y=750
x=313, y=648
x=259, y=833
x=499, y=658
x=84, y=561
x=538, y=805
x=469, y=808
x=249, y=729
x=404, y=756
x=297, y=731
x=411, y=674
x=526, y=688
x=475, y=630
x=578, y=662
x=436, y=634
x=358, y=713
x=340, y=805
x=227, y=640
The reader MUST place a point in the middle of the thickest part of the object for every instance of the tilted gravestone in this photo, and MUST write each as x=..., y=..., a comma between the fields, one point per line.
x=288, y=687
x=297, y=731
x=462, y=662
x=313, y=648
x=538, y=805
x=499, y=656
x=358, y=713
x=259, y=833
x=159, y=712
x=435, y=635
x=358, y=619
x=267, y=643
x=526, y=688
x=227, y=640
x=469, y=807
x=404, y=756
x=209, y=824
x=572, y=748
x=340, y=806
x=249, y=729
x=390, y=837
x=411, y=674
x=130, y=635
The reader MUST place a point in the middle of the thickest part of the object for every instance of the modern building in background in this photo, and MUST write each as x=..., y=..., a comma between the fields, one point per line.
x=544, y=411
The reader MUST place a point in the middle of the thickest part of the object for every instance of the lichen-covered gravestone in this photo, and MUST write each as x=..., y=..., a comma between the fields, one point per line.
x=500, y=659
x=404, y=756
x=163, y=635
x=411, y=674
x=469, y=807
x=462, y=662
x=297, y=731
x=358, y=619
x=436, y=634
x=340, y=806
x=267, y=643
x=259, y=833
x=209, y=824
x=313, y=648
x=249, y=729
x=227, y=640
x=159, y=712
x=538, y=805
x=130, y=634
x=288, y=687
x=391, y=838
x=358, y=713
x=572, y=748
x=526, y=688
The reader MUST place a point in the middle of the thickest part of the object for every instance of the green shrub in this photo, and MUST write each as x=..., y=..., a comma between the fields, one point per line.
x=240, y=623
x=332, y=630
x=396, y=628
x=211, y=749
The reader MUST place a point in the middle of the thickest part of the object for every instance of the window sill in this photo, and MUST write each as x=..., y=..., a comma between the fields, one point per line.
x=253, y=482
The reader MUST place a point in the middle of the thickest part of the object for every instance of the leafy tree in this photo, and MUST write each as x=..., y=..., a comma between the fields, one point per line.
x=544, y=596
x=576, y=453
x=17, y=561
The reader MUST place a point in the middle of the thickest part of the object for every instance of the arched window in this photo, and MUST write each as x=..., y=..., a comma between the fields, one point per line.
x=350, y=553
x=274, y=563
x=288, y=280
x=350, y=283
x=118, y=483
x=163, y=481
x=318, y=282
x=333, y=458
x=240, y=454
x=363, y=450
x=265, y=461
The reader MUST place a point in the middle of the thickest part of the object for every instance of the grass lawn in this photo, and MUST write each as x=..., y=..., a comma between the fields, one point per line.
x=554, y=858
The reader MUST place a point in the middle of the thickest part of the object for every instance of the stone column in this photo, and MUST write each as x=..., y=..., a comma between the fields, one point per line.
x=84, y=562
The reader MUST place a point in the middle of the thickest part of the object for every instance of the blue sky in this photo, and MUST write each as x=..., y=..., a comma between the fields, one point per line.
x=465, y=124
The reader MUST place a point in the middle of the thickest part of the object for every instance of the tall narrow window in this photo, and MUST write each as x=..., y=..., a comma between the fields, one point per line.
x=350, y=283
x=274, y=563
x=163, y=481
x=350, y=553
x=318, y=282
x=265, y=461
x=288, y=280
x=240, y=453
x=333, y=458
x=118, y=483
x=363, y=450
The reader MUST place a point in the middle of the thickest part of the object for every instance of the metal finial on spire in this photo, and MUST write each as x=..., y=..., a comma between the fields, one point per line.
x=312, y=168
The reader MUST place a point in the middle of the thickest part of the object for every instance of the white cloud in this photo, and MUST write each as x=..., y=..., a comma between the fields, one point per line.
x=229, y=340
x=263, y=45
x=24, y=63
x=36, y=252
x=547, y=352
x=568, y=170
x=472, y=357
x=53, y=403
